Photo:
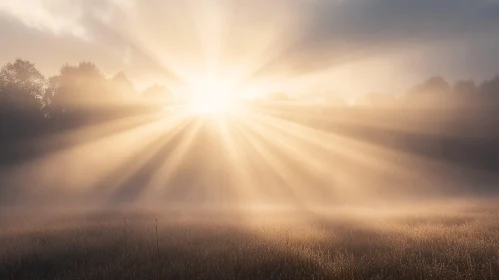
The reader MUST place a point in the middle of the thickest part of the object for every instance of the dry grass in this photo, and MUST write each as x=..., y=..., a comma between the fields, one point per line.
x=462, y=245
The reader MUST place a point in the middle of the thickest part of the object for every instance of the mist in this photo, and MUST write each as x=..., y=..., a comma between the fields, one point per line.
x=102, y=144
x=238, y=139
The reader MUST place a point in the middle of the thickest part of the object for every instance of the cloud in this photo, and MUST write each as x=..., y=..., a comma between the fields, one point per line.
x=37, y=14
x=282, y=38
x=361, y=21
x=54, y=32
x=418, y=37
x=63, y=17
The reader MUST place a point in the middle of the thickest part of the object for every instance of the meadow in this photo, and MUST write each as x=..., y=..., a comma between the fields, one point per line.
x=451, y=241
x=249, y=139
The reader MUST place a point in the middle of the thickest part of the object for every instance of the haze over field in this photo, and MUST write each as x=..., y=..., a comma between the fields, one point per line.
x=357, y=139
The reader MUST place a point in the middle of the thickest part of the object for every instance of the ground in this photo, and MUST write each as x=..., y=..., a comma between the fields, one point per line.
x=451, y=242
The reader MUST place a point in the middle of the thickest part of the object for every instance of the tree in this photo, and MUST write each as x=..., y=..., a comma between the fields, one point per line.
x=21, y=87
x=465, y=93
x=122, y=86
x=433, y=92
x=21, y=99
x=489, y=90
x=432, y=86
x=76, y=88
x=84, y=82
x=465, y=88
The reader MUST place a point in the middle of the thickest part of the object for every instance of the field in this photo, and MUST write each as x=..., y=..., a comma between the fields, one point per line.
x=451, y=241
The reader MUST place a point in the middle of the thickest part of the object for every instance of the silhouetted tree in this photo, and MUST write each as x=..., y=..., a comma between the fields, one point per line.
x=434, y=85
x=489, y=90
x=76, y=90
x=50, y=92
x=21, y=86
x=122, y=86
x=465, y=88
x=433, y=92
x=21, y=99
x=465, y=93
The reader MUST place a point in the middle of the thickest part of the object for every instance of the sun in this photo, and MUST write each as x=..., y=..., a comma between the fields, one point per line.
x=210, y=106
x=210, y=96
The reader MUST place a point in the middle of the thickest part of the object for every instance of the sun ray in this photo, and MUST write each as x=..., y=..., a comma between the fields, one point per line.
x=161, y=180
x=97, y=157
x=139, y=161
x=317, y=173
x=389, y=163
x=87, y=134
x=290, y=185
x=238, y=165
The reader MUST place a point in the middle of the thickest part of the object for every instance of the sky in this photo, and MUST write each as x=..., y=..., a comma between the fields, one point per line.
x=333, y=47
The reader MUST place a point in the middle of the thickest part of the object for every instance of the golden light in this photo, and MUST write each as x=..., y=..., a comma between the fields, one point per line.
x=210, y=107
x=213, y=58
x=210, y=95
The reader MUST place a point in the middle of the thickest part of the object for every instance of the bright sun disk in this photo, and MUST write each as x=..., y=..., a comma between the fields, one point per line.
x=209, y=96
x=210, y=107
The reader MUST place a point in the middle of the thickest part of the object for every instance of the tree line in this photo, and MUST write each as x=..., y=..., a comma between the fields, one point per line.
x=32, y=106
x=437, y=92
x=30, y=102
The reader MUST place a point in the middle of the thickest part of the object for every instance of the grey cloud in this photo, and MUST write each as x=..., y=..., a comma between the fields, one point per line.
x=49, y=50
x=364, y=21
x=336, y=32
